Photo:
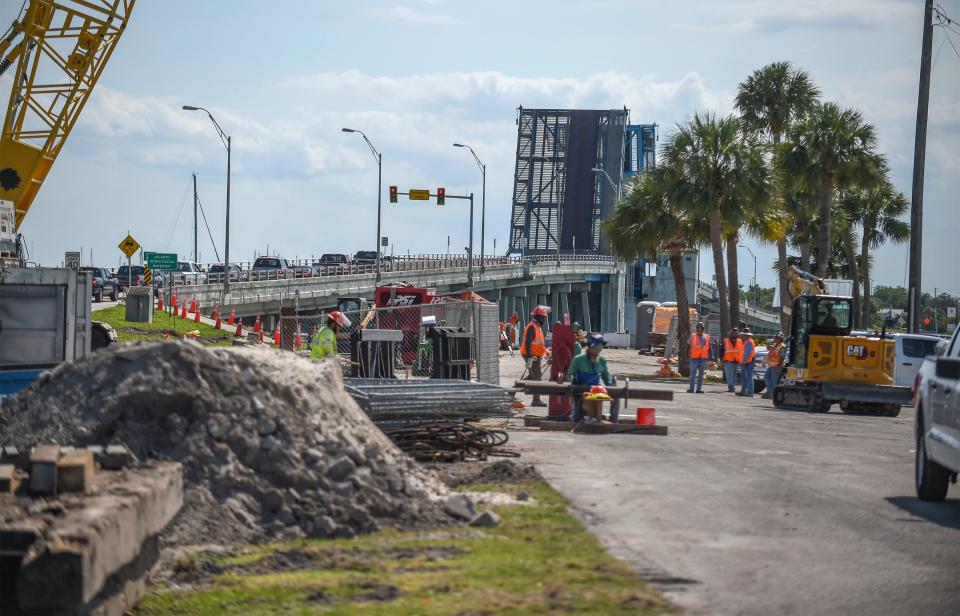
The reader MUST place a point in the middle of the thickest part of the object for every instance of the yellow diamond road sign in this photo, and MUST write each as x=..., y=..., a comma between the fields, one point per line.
x=419, y=194
x=129, y=246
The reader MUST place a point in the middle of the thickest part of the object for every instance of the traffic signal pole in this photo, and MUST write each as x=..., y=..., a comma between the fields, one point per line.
x=442, y=195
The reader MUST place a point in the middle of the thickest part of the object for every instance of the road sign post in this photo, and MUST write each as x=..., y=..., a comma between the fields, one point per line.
x=161, y=260
x=129, y=246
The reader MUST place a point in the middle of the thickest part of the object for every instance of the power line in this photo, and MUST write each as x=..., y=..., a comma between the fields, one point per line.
x=204, y=214
x=955, y=50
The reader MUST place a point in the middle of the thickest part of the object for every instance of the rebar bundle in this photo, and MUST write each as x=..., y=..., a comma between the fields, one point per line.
x=449, y=441
x=386, y=400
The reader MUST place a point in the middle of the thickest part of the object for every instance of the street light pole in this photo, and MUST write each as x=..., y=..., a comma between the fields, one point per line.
x=483, y=205
x=225, y=138
x=379, y=157
x=613, y=185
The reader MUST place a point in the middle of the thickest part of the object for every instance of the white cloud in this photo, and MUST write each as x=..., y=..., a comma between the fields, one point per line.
x=766, y=16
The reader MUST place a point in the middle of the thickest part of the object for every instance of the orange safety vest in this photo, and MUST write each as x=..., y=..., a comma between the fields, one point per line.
x=538, y=348
x=775, y=357
x=732, y=351
x=699, y=347
x=753, y=352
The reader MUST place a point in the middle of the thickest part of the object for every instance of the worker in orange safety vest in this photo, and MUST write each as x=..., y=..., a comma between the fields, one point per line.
x=746, y=363
x=774, y=365
x=533, y=347
x=732, y=352
x=700, y=352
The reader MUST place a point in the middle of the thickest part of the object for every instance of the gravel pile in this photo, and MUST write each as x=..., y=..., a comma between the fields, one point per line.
x=271, y=444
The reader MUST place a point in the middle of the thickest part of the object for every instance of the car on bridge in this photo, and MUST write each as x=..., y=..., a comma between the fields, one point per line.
x=270, y=268
x=937, y=421
x=103, y=283
x=331, y=263
x=367, y=257
x=189, y=272
x=218, y=270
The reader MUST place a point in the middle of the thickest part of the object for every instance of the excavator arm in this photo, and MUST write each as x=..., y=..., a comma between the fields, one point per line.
x=60, y=48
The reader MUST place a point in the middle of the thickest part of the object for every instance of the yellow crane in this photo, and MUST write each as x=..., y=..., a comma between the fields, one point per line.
x=60, y=48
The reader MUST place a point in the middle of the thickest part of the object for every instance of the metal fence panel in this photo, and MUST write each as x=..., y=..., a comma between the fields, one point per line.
x=487, y=343
x=414, y=354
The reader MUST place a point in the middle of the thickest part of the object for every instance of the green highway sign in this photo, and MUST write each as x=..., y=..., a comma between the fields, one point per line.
x=161, y=260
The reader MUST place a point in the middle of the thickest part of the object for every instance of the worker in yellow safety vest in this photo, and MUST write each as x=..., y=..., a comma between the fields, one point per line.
x=732, y=352
x=324, y=343
x=533, y=347
x=774, y=365
x=700, y=352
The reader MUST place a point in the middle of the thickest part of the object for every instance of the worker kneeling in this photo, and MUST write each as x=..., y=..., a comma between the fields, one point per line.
x=324, y=343
x=590, y=368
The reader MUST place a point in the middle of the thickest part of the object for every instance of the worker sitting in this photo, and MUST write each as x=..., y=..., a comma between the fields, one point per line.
x=324, y=343
x=590, y=368
x=533, y=347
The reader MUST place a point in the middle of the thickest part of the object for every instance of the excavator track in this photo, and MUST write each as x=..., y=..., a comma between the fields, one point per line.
x=800, y=398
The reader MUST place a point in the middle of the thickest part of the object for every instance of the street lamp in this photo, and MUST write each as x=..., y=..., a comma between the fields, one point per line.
x=225, y=138
x=377, y=155
x=754, y=274
x=613, y=185
x=483, y=203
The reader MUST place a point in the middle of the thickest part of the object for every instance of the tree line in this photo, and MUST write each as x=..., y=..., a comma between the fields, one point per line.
x=786, y=168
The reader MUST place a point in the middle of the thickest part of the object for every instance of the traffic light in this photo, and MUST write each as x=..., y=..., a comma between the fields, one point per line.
x=393, y=194
x=441, y=195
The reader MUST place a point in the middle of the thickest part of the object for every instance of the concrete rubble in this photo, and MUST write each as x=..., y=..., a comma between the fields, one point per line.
x=271, y=445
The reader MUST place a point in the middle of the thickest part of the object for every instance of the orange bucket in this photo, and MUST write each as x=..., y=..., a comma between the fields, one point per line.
x=646, y=417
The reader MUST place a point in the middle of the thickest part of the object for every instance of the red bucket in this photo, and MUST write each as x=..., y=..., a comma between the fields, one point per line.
x=646, y=417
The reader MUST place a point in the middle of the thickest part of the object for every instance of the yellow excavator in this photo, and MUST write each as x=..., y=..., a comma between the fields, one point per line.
x=60, y=48
x=827, y=365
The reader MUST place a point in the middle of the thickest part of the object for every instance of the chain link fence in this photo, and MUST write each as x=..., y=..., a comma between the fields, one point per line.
x=414, y=353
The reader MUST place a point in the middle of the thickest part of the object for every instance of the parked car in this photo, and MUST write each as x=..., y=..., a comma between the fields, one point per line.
x=911, y=351
x=189, y=272
x=125, y=275
x=937, y=423
x=103, y=283
x=216, y=273
x=268, y=267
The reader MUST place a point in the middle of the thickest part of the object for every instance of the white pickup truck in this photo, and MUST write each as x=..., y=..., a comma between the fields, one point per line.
x=189, y=272
x=937, y=395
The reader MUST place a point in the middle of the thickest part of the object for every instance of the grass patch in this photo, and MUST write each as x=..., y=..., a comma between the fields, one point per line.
x=164, y=327
x=540, y=560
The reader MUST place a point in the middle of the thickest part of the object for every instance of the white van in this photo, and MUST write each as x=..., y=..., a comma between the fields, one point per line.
x=911, y=350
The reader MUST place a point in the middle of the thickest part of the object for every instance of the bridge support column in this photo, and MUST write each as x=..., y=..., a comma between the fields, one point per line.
x=565, y=304
x=585, y=310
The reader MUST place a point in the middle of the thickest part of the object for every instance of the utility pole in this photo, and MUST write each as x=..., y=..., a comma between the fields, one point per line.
x=936, y=328
x=196, y=257
x=919, y=156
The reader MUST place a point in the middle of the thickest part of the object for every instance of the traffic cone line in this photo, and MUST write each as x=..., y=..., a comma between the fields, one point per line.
x=276, y=335
x=257, y=326
x=196, y=316
x=183, y=311
x=160, y=304
x=215, y=314
x=239, y=331
x=232, y=318
x=173, y=300
x=193, y=305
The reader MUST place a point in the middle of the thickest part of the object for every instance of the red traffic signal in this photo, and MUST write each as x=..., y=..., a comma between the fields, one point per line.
x=441, y=196
x=393, y=194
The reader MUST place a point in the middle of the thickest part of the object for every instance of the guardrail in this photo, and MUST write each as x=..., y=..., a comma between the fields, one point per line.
x=400, y=264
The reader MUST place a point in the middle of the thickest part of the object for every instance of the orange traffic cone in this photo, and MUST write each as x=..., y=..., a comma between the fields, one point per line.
x=173, y=300
x=183, y=311
x=215, y=314
x=160, y=304
x=261, y=336
x=230, y=321
x=276, y=334
x=239, y=329
x=193, y=305
x=256, y=325
x=219, y=324
x=298, y=342
x=196, y=316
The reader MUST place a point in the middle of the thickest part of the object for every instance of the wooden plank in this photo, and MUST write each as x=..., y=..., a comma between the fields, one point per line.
x=546, y=388
x=592, y=428
x=9, y=479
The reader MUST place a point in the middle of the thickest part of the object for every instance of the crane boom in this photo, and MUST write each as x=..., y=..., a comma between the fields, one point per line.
x=60, y=48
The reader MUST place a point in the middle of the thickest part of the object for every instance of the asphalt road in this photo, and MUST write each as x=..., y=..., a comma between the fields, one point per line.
x=746, y=509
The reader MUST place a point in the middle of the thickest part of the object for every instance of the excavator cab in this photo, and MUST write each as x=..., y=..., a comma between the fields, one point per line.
x=817, y=315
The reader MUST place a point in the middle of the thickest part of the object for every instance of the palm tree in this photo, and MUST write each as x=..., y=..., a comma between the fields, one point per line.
x=879, y=210
x=715, y=168
x=831, y=149
x=647, y=223
x=770, y=101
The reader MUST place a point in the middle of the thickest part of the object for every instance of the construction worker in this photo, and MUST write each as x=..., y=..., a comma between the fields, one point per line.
x=324, y=343
x=590, y=368
x=774, y=365
x=700, y=352
x=533, y=347
x=579, y=338
x=746, y=363
x=732, y=350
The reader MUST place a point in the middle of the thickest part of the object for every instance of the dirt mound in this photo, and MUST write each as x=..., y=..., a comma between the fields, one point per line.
x=501, y=471
x=270, y=443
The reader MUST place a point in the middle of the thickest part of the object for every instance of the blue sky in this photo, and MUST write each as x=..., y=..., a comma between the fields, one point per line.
x=417, y=76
